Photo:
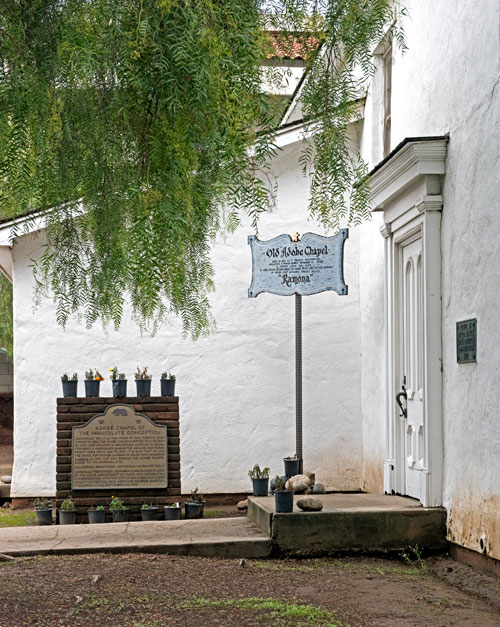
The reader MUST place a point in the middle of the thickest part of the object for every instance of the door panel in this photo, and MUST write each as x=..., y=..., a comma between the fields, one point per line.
x=412, y=358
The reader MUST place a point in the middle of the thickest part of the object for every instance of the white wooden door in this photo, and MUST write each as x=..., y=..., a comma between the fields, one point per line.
x=412, y=366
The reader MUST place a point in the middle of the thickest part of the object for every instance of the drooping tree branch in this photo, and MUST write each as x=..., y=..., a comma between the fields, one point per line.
x=150, y=115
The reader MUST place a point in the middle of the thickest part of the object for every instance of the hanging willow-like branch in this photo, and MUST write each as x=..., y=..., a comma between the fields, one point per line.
x=141, y=124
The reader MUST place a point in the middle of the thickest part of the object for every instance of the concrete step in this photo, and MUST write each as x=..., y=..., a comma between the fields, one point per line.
x=351, y=523
x=225, y=537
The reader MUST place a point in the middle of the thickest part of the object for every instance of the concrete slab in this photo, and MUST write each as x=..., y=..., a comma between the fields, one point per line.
x=351, y=522
x=225, y=537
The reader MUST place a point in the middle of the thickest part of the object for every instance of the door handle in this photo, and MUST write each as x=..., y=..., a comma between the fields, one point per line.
x=404, y=411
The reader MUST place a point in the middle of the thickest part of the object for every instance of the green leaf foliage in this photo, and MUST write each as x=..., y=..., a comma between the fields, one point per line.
x=139, y=129
x=6, y=336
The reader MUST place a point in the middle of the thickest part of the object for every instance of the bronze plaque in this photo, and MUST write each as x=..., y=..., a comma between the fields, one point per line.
x=119, y=449
x=467, y=341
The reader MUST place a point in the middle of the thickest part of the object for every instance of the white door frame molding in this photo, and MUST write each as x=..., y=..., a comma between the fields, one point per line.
x=407, y=186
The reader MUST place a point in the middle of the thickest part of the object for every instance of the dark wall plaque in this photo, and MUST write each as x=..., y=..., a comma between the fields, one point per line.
x=119, y=449
x=467, y=341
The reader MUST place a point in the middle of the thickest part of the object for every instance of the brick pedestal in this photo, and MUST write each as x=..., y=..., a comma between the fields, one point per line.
x=162, y=410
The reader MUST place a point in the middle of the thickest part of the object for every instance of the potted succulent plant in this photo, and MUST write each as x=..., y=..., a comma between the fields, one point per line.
x=149, y=512
x=143, y=382
x=67, y=512
x=283, y=499
x=97, y=514
x=172, y=511
x=70, y=385
x=260, y=480
x=292, y=465
x=272, y=483
x=92, y=382
x=118, y=510
x=194, y=507
x=119, y=383
x=43, y=511
x=167, y=384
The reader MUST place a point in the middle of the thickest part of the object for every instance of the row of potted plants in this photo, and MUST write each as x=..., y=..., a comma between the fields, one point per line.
x=119, y=511
x=260, y=483
x=93, y=380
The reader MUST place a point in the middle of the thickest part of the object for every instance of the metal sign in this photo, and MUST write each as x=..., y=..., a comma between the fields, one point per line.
x=283, y=266
x=466, y=341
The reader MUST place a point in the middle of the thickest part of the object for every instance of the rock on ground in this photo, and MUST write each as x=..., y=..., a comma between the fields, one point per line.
x=242, y=505
x=298, y=483
x=310, y=504
x=6, y=479
x=312, y=477
x=318, y=488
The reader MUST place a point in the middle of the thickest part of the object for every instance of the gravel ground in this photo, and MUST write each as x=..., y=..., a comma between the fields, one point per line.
x=157, y=590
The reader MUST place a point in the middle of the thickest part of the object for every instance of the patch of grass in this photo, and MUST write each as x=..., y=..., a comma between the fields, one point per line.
x=102, y=606
x=24, y=518
x=298, y=614
x=413, y=558
x=290, y=565
x=214, y=513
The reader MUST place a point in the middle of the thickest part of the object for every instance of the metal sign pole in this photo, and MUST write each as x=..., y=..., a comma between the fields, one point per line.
x=298, y=378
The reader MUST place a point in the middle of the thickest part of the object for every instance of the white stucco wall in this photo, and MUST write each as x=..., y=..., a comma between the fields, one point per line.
x=236, y=387
x=372, y=319
x=449, y=82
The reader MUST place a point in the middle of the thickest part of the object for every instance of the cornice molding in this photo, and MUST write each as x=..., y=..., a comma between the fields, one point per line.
x=415, y=160
x=430, y=203
x=386, y=230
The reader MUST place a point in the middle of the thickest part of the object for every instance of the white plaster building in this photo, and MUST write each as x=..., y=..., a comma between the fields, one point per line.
x=427, y=260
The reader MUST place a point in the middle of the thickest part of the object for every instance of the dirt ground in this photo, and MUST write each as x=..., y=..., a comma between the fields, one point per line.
x=152, y=590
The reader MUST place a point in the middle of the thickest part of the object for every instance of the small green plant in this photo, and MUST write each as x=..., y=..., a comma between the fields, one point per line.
x=257, y=473
x=115, y=375
x=99, y=508
x=68, y=505
x=279, y=483
x=173, y=505
x=91, y=375
x=116, y=504
x=413, y=557
x=142, y=375
x=167, y=375
x=147, y=506
x=42, y=504
x=65, y=377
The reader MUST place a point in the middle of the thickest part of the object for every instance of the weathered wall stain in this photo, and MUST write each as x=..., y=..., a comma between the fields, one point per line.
x=373, y=475
x=474, y=522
